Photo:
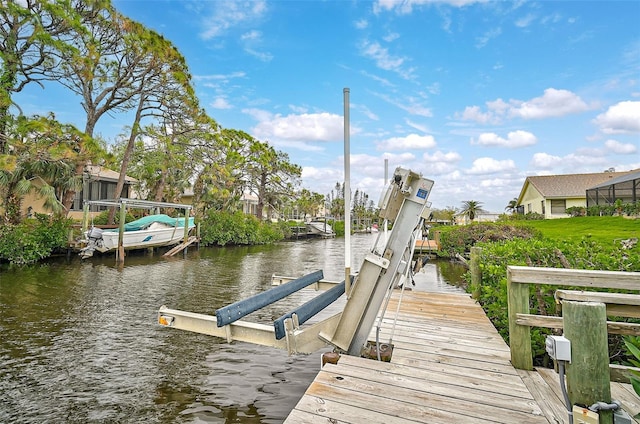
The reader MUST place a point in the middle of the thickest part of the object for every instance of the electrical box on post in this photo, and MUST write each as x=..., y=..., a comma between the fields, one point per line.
x=558, y=348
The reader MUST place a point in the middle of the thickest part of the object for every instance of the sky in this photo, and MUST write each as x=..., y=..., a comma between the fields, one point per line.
x=474, y=95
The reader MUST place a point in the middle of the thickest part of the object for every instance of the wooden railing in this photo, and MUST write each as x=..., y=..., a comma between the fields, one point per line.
x=584, y=323
x=520, y=320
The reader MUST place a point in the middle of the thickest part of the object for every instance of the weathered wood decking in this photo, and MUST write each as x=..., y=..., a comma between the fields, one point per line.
x=449, y=365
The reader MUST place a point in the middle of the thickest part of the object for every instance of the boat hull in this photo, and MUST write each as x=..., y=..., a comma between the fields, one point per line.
x=320, y=228
x=157, y=237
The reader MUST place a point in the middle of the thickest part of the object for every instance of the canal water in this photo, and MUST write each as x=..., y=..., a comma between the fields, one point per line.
x=79, y=341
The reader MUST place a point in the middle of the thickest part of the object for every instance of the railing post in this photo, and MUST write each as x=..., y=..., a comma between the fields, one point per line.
x=476, y=273
x=519, y=335
x=585, y=325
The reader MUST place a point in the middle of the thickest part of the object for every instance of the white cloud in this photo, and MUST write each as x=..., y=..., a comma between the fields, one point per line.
x=514, y=140
x=545, y=160
x=409, y=105
x=399, y=158
x=483, y=166
x=361, y=24
x=621, y=118
x=487, y=36
x=376, y=78
x=412, y=141
x=392, y=36
x=304, y=127
x=228, y=14
x=573, y=163
x=525, y=21
x=263, y=56
x=220, y=103
x=384, y=60
x=420, y=127
x=617, y=147
x=439, y=156
x=251, y=41
x=253, y=35
x=365, y=111
x=553, y=103
x=404, y=7
x=220, y=77
x=474, y=113
x=441, y=163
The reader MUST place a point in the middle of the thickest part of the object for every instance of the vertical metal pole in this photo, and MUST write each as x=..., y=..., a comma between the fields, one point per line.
x=123, y=216
x=385, y=222
x=347, y=196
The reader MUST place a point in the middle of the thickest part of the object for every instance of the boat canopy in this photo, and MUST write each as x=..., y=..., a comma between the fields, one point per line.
x=144, y=222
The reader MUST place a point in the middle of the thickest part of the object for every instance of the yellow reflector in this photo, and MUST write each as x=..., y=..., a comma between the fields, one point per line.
x=165, y=320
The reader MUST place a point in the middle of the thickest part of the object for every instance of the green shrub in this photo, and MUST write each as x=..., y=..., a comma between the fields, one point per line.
x=225, y=228
x=103, y=217
x=633, y=347
x=538, y=252
x=459, y=239
x=338, y=227
x=33, y=239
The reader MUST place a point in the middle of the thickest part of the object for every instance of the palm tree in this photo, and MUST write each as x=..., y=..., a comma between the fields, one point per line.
x=512, y=205
x=471, y=208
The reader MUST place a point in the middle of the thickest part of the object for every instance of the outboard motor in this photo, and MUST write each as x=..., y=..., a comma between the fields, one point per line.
x=94, y=240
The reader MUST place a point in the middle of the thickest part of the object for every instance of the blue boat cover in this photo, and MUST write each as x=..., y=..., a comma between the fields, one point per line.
x=144, y=222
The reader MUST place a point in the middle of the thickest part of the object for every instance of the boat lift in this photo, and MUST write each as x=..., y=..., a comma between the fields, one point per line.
x=404, y=204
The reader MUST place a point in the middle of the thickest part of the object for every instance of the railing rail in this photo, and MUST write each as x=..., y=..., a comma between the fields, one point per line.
x=520, y=320
x=584, y=323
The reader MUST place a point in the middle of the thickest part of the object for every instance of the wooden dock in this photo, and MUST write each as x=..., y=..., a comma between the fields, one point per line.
x=449, y=365
x=426, y=246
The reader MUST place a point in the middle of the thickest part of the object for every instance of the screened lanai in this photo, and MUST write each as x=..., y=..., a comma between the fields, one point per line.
x=626, y=188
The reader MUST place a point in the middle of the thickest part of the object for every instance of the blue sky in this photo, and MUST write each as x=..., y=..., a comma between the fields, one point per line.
x=476, y=95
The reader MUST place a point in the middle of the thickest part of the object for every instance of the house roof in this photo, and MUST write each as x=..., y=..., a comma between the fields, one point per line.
x=631, y=175
x=569, y=185
x=104, y=174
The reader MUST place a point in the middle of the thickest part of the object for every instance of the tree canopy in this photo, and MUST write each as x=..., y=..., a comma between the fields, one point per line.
x=115, y=66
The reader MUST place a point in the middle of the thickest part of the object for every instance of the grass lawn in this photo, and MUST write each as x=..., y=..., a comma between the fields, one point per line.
x=604, y=229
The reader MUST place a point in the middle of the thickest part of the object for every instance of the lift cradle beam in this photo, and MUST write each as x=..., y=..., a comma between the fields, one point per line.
x=405, y=205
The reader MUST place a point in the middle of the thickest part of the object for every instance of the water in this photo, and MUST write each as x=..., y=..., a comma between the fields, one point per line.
x=79, y=340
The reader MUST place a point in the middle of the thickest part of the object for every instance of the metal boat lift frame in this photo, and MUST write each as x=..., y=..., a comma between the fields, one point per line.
x=122, y=204
x=405, y=205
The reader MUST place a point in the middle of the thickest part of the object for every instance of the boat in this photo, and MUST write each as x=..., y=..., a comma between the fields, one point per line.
x=320, y=227
x=150, y=231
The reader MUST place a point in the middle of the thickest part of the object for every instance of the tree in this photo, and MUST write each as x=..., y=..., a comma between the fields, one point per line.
x=271, y=175
x=222, y=177
x=471, y=208
x=336, y=201
x=308, y=202
x=447, y=214
x=161, y=85
x=42, y=160
x=512, y=205
x=98, y=68
x=31, y=31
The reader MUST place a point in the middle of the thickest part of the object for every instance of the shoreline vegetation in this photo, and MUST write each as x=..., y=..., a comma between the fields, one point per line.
x=595, y=243
x=591, y=242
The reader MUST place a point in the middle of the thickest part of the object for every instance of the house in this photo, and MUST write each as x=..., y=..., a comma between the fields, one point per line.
x=551, y=195
x=463, y=219
x=98, y=183
x=625, y=188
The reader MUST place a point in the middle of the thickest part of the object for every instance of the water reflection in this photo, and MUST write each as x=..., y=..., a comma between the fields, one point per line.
x=79, y=340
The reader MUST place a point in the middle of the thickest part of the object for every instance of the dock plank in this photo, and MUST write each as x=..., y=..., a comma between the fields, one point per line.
x=449, y=365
